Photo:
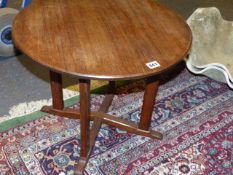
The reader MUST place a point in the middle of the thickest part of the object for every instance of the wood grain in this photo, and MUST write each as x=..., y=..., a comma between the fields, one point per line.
x=104, y=39
x=128, y=126
x=84, y=117
x=56, y=90
x=152, y=85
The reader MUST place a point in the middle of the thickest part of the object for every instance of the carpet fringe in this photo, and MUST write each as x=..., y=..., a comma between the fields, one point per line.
x=26, y=108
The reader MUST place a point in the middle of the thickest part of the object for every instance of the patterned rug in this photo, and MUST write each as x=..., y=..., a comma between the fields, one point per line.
x=194, y=113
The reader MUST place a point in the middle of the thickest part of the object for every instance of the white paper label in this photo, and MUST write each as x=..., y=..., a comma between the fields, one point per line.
x=153, y=64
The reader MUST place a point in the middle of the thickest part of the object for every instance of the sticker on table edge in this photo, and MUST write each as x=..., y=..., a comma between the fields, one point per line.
x=153, y=65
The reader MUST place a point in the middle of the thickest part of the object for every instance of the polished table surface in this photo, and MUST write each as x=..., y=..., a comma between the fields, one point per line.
x=102, y=39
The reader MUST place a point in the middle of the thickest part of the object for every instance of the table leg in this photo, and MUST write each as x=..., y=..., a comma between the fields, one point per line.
x=57, y=107
x=57, y=95
x=56, y=89
x=88, y=137
x=84, y=124
x=148, y=103
x=112, y=87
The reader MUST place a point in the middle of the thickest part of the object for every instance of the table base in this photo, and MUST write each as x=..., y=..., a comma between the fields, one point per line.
x=88, y=136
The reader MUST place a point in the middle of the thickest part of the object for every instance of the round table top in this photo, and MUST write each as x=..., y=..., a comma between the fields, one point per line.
x=104, y=39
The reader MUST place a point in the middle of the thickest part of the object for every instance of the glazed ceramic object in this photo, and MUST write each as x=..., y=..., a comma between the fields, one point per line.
x=212, y=48
x=213, y=72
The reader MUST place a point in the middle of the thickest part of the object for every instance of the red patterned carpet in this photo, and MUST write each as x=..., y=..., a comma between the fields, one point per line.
x=195, y=114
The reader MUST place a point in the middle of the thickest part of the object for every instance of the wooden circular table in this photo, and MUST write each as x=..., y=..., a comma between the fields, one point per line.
x=107, y=40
